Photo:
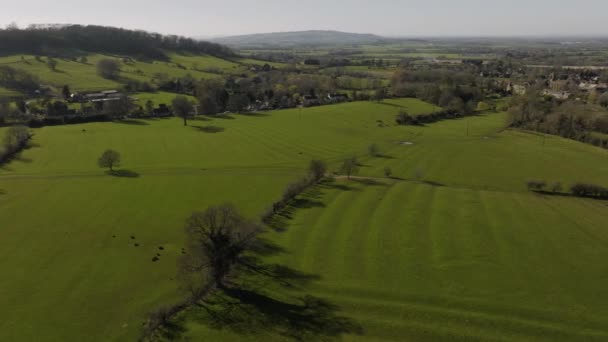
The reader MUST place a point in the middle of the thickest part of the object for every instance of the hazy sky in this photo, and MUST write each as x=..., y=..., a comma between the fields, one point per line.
x=386, y=17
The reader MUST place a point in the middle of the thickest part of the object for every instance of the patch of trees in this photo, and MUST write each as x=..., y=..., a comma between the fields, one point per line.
x=589, y=190
x=15, y=140
x=578, y=190
x=18, y=80
x=403, y=118
x=66, y=120
x=453, y=90
x=64, y=39
x=569, y=119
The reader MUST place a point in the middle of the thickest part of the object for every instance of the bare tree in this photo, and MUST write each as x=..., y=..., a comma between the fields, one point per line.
x=374, y=150
x=149, y=107
x=109, y=159
x=51, y=63
x=317, y=169
x=182, y=107
x=216, y=239
x=388, y=173
x=350, y=167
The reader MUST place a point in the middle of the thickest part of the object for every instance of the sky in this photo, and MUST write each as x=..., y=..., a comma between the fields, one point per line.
x=384, y=17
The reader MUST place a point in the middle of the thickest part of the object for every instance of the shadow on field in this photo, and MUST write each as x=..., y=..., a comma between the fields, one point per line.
x=332, y=184
x=199, y=118
x=6, y=160
x=270, y=299
x=132, y=122
x=368, y=182
x=255, y=114
x=385, y=156
x=390, y=104
x=433, y=183
x=2, y=192
x=209, y=129
x=224, y=117
x=123, y=174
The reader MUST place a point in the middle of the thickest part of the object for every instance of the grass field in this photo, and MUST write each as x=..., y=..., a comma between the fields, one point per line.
x=83, y=76
x=159, y=97
x=466, y=254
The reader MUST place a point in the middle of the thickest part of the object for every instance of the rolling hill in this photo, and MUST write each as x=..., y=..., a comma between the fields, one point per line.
x=451, y=247
x=300, y=38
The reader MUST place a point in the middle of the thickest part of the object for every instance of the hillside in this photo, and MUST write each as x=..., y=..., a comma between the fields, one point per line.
x=453, y=246
x=300, y=38
x=75, y=40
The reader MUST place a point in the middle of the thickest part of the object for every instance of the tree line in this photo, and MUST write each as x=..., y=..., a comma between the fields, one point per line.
x=63, y=40
x=577, y=120
x=585, y=190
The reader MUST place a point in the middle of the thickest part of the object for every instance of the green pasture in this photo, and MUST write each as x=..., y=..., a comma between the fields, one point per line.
x=452, y=247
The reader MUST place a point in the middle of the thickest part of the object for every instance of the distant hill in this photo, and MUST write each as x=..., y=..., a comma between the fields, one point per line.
x=300, y=38
x=70, y=40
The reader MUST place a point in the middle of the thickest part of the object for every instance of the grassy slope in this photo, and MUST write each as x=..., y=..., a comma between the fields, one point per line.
x=83, y=76
x=87, y=283
x=476, y=259
x=65, y=277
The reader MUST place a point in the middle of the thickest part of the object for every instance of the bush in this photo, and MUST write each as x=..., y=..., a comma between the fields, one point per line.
x=589, y=190
x=374, y=150
x=536, y=185
x=556, y=187
x=388, y=173
x=317, y=169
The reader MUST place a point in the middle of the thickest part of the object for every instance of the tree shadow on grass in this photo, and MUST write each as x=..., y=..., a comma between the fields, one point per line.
x=254, y=114
x=224, y=117
x=199, y=118
x=385, y=156
x=172, y=330
x=271, y=299
x=433, y=183
x=303, y=318
x=209, y=129
x=368, y=182
x=17, y=156
x=2, y=192
x=123, y=174
x=390, y=104
x=132, y=122
x=334, y=185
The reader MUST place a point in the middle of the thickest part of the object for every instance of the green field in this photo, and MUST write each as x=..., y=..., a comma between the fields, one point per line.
x=464, y=253
x=159, y=97
x=83, y=76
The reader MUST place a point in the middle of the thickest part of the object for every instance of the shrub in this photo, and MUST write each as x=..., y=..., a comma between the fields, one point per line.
x=556, y=187
x=589, y=190
x=317, y=169
x=374, y=150
x=534, y=185
x=388, y=172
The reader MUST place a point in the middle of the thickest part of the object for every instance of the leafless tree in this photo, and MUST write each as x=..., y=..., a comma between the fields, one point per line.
x=317, y=169
x=350, y=167
x=216, y=238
